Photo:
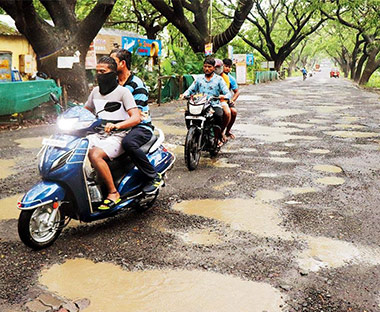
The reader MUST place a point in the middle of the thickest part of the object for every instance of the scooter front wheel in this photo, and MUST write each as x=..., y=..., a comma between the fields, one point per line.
x=39, y=228
x=192, y=150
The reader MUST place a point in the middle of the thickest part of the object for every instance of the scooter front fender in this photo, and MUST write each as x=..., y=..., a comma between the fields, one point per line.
x=41, y=194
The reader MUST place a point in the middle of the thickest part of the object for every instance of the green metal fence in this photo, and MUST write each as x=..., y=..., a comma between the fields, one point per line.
x=265, y=76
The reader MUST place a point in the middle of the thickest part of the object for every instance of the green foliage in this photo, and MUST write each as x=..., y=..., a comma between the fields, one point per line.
x=150, y=78
x=183, y=61
x=374, y=81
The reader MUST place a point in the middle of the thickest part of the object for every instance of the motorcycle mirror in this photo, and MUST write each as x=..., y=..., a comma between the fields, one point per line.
x=54, y=98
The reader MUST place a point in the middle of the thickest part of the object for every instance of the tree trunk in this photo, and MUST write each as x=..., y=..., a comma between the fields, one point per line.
x=371, y=66
x=359, y=67
x=67, y=36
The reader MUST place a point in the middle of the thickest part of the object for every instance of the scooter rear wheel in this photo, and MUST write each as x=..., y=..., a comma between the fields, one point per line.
x=34, y=230
x=192, y=150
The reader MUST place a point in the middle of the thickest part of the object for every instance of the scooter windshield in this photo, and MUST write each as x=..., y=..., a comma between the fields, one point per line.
x=80, y=113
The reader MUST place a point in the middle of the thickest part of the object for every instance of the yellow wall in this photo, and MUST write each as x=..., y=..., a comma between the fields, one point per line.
x=17, y=45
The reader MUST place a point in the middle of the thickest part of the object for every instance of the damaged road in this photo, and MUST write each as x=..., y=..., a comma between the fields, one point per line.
x=286, y=218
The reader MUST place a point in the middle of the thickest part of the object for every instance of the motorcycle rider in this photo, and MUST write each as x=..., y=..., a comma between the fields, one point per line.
x=227, y=65
x=304, y=73
x=143, y=132
x=213, y=86
x=107, y=145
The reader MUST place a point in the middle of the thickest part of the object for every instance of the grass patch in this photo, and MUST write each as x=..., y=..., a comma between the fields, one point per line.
x=374, y=81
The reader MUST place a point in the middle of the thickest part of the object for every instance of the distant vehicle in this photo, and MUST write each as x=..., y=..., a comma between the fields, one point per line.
x=334, y=72
x=317, y=68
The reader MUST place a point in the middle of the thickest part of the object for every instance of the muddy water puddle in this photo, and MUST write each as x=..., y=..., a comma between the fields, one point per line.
x=176, y=149
x=352, y=134
x=278, y=153
x=326, y=252
x=6, y=166
x=330, y=181
x=292, y=124
x=8, y=207
x=219, y=163
x=35, y=142
x=221, y=186
x=271, y=134
x=200, y=237
x=110, y=288
x=328, y=109
x=302, y=190
x=167, y=129
x=348, y=126
x=328, y=168
x=268, y=195
x=254, y=216
x=286, y=160
x=280, y=113
x=319, y=151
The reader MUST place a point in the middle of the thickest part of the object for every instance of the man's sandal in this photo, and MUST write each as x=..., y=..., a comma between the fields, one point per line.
x=109, y=204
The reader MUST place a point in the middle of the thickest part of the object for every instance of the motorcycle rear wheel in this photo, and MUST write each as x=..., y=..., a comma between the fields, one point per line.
x=33, y=229
x=192, y=150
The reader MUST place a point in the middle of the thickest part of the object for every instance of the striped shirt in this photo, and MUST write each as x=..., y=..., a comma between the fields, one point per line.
x=140, y=94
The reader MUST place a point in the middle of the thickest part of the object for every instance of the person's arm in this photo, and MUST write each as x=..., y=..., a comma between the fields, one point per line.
x=225, y=93
x=235, y=89
x=89, y=105
x=192, y=89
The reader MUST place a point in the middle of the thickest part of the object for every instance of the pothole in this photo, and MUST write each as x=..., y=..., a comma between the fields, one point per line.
x=109, y=288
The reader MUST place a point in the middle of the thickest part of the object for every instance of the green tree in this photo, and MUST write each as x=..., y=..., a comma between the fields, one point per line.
x=63, y=37
x=191, y=19
x=279, y=26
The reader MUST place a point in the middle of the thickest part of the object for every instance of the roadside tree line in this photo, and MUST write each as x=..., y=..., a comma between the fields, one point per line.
x=286, y=32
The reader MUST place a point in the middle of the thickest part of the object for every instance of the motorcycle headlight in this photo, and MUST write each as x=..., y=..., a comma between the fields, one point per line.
x=195, y=109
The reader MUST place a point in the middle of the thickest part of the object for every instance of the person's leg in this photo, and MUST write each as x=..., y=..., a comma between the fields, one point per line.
x=226, y=119
x=97, y=158
x=218, y=117
x=231, y=123
x=131, y=144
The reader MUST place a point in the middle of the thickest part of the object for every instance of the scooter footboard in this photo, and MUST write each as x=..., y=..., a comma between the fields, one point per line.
x=41, y=194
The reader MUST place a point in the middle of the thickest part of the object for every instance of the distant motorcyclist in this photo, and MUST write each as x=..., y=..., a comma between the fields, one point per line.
x=213, y=86
x=304, y=73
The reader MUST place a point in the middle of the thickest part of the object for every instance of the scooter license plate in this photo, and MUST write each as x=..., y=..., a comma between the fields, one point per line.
x=54, y=142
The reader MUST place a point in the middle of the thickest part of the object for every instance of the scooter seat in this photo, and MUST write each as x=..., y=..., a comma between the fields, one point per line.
x=146, y=147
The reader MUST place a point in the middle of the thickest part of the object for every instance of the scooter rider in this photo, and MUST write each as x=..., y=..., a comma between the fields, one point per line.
x=143, y=132
x=107, y=145
x=213, y=86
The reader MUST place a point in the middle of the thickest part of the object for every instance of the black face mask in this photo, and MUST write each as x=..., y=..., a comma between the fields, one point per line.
x=107, y=82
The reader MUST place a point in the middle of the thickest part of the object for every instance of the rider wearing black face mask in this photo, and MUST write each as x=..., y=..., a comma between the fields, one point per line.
x=107, y=145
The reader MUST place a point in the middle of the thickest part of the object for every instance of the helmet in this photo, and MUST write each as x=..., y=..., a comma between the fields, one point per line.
x=218, y=66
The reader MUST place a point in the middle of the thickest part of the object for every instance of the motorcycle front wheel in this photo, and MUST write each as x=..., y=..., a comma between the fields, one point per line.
x=192, y=150
x=34, y=229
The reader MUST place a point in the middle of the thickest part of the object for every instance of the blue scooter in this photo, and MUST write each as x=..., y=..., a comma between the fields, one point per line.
x=70, y=187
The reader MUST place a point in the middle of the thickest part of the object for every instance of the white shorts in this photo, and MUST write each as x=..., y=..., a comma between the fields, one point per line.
x=110, y=144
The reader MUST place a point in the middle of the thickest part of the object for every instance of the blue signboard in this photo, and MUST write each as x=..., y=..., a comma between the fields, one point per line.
x=141, y=46
x=250, y=59
x=5, y=67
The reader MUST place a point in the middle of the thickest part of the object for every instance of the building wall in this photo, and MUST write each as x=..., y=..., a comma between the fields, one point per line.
x=17, y=45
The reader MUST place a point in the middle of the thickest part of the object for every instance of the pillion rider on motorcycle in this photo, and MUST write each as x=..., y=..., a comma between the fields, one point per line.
x=107, y=145
x=214, y=86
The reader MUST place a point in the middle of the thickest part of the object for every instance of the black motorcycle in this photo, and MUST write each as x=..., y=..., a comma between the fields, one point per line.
x=201, y=127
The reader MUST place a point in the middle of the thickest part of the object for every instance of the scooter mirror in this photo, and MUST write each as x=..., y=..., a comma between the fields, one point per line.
x=112, y=106
x=54, y=98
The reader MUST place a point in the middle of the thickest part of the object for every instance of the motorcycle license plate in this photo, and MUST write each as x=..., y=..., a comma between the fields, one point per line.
x=54, y=142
